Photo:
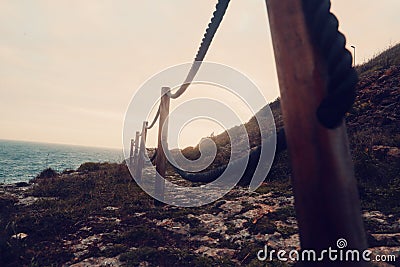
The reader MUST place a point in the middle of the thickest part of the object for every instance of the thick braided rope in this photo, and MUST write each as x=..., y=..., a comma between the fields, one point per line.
x=342, y=77
x=154, y=120
x=212, y=28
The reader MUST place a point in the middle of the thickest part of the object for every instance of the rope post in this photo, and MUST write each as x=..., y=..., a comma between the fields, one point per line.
x=161, y=159
x=131, y=154
x=326, y=197
x=142, y=150
x=136, y=153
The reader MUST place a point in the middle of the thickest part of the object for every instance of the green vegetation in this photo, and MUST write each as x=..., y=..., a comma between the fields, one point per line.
x=47, y=173
x=68, y=204
x=64, y=204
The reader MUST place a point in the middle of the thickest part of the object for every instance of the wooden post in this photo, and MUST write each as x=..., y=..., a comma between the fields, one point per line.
x=136, y=153
x=161, y=159
x=142, y=151
x=131, y=154
x=326, y=197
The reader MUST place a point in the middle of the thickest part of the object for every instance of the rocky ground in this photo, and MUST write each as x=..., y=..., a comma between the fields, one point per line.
x=228, y=232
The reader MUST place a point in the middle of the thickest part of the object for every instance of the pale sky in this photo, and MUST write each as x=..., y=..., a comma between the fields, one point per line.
x=68, y=69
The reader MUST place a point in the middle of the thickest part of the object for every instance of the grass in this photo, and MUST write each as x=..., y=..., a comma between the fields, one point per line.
x=69, y=202
x=66, y=201
x=385, y=59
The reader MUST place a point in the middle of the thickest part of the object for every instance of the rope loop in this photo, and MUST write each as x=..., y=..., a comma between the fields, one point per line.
x=342, y=77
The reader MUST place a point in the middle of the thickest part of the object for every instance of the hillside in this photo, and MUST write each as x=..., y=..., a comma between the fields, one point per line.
x=373, y=123
x=373, y=126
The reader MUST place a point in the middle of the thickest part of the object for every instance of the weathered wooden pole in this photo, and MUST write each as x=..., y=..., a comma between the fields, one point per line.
x=131, y=153
x=142, y=151
x=136, y=153
x=161, y=159
x=326, y=197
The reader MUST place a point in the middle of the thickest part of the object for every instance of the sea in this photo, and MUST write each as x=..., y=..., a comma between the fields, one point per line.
x=21, y=161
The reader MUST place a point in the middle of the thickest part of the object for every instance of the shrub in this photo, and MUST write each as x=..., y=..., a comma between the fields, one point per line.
x=47, y=173
x=89, y=167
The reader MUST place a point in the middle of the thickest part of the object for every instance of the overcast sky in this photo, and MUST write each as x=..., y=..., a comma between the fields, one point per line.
x=68, y=69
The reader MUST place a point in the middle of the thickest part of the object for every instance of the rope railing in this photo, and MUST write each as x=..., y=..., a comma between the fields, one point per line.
x=317, y=85
x=218, y=15
x=212, y=28
x=314, y=107
x=330, y=104
x=322, y=173
x=154, y=120
x=166, y=95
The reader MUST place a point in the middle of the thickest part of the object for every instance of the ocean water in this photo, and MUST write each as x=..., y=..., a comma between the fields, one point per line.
x=20, y=161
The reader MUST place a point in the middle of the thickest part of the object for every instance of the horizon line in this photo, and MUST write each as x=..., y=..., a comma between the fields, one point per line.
x=61, y=144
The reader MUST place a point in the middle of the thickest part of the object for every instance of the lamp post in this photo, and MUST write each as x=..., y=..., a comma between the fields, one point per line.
x=354, y=55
